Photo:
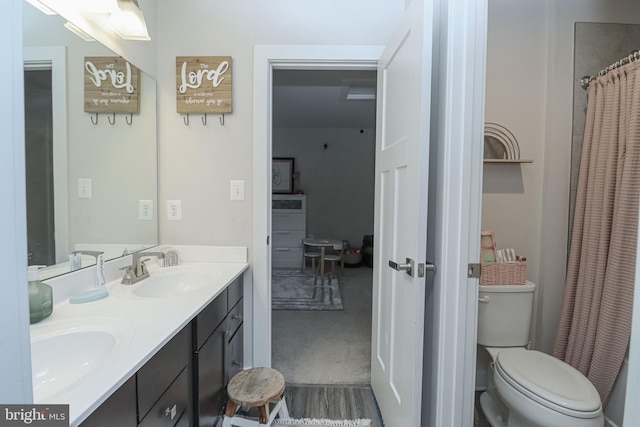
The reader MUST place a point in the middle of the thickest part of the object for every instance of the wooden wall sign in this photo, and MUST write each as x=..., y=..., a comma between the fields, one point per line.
x=111, y=85
x=203, y=84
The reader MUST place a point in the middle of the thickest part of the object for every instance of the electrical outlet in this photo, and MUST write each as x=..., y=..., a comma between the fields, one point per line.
x=84, y=188
x=237, y=189
x=145, y=209
x=174, y=210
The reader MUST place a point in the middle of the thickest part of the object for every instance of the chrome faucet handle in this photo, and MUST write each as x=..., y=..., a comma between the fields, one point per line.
x=129, y=275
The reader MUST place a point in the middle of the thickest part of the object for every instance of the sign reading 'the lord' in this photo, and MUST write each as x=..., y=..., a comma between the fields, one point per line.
x=111, y=85
x=203, y=84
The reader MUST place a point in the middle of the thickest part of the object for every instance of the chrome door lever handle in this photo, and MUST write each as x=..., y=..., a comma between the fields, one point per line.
x=407, y=267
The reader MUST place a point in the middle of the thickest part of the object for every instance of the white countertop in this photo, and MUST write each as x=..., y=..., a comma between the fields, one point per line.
x=153, y=322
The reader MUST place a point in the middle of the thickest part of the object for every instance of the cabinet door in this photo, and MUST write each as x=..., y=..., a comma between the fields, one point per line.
x=166, y=412
x=118, y=410
x=235, y=362
x=158, y=373
x=210, y=378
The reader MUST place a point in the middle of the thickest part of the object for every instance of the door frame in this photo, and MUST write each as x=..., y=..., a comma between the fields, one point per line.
x=459, y=72
x=266, y=59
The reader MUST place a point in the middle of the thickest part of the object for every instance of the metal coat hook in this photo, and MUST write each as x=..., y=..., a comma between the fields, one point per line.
x=204, y=120
x=222, y=120
x=96, y=122
x=129, y=120
x=114, y=119
x=186, y=120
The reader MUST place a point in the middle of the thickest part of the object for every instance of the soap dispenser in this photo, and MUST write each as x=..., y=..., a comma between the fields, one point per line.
x=40, y=296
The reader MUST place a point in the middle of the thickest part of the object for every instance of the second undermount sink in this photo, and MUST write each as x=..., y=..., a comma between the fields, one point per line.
x=171, y=284
x=87, y=348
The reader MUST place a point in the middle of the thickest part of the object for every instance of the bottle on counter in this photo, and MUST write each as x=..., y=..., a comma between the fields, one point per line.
x=40, y=296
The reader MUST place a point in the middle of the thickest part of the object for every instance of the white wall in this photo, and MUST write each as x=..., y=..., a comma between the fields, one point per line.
x=197, y=162
x=338, y=181
x=515, y=98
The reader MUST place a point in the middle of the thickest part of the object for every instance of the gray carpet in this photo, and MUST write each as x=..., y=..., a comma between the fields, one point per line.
x=293, y=290
x=327, y=347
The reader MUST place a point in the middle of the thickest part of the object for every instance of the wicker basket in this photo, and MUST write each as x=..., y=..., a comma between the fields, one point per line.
x=504, y=273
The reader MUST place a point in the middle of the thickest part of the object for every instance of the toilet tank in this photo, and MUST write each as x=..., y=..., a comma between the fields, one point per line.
x=504, y=314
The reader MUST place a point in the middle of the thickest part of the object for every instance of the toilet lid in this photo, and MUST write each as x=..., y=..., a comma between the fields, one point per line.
x=549, y=380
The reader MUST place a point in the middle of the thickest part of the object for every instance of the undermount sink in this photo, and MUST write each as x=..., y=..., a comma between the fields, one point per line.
x=172, y=283
x=86, y=349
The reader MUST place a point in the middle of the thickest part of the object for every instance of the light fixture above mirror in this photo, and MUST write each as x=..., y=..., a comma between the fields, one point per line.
x=128, y=21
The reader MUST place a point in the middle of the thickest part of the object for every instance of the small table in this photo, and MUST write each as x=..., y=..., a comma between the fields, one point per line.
x=322, y=244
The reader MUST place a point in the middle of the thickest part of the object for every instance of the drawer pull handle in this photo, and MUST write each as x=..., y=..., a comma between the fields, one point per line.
x=236, y=317
x=171, y=412
x=235, y=363
x=282, y=249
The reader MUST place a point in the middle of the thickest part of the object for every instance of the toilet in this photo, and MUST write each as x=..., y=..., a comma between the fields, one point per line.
x=527, y=388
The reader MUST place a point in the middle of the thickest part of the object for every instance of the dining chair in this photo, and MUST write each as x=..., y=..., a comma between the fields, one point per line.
x=309, y=253
x=334, y=255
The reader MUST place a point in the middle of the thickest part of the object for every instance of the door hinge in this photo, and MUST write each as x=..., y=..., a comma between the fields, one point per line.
x=268, y=240
x=474, y=270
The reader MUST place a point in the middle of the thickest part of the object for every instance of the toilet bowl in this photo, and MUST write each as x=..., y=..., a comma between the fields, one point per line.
x=527, y=388
x=542, y=391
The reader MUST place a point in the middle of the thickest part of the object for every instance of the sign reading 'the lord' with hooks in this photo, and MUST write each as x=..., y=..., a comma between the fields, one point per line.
x=111, y=85
x=203, y=84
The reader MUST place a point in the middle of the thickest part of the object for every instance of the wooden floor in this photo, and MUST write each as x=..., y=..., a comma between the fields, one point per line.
x=332, y=402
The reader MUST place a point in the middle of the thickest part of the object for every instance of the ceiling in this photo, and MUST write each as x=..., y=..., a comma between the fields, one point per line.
x=317, y=98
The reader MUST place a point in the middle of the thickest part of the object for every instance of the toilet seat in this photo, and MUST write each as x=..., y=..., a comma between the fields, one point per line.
x=549, y=382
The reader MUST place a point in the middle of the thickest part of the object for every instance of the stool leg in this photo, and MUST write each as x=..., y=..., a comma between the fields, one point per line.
x=284, y=411
x=229, y=412
x=264, y=414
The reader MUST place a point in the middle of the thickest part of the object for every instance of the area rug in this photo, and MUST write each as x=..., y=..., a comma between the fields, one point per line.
x=293, y=290
x=320, y=423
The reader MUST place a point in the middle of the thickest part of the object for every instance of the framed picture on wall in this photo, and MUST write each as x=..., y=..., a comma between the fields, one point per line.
x=282, y=175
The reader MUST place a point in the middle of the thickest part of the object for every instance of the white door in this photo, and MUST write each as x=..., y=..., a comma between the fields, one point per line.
x=402, y=158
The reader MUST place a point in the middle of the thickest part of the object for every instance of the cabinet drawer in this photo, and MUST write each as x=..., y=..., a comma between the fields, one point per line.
x=158, y=373
x=118, y=410
x=234, y=292
x=287, y=222
x=286, y=257
x=210, y=317
x=172, y=404
x=291, y=238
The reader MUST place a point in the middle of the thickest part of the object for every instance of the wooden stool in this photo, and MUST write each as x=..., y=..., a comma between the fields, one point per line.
x=255, y=388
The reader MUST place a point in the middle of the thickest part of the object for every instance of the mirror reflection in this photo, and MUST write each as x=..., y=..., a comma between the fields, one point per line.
x=90, y=187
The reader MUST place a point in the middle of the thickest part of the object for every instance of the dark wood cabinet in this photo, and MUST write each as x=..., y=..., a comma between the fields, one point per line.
x=214, y=355
x=184, y=383
x=118, y=410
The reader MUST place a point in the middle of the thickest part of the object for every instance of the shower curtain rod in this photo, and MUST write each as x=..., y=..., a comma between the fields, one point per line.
x=633, y=56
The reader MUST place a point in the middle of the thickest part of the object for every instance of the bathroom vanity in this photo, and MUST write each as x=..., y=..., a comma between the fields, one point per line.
x=172, y=342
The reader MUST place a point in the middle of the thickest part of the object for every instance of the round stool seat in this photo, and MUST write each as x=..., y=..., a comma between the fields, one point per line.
x=256, y=387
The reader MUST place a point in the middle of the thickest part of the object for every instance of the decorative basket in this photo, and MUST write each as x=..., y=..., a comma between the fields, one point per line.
x=504, y=273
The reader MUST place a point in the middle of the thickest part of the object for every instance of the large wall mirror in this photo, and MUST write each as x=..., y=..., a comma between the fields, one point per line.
x=89, y=186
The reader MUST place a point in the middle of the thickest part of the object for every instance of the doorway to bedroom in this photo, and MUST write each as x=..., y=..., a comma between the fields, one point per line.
x=323, y=150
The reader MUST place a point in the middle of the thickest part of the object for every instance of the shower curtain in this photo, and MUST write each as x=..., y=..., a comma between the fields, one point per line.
x=595, y=322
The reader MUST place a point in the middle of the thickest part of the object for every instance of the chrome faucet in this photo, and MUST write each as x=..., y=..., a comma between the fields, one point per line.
x=138, y=270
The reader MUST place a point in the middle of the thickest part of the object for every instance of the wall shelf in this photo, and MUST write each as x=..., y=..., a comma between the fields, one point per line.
x=512, y=161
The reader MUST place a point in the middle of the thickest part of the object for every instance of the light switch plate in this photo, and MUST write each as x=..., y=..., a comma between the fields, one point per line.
x=174, y=210
x=84, y=188
x=237, y=189
x=145, y=209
